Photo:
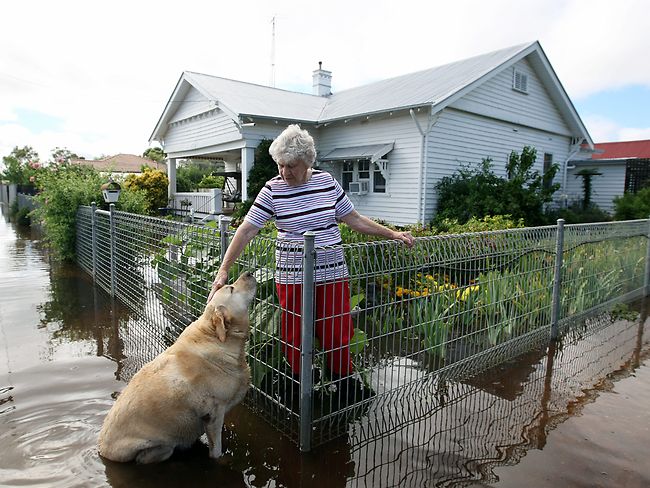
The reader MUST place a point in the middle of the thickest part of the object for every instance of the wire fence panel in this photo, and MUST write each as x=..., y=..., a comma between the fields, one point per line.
x=444, y=433
x=603, y=262
x=84, y=243
x=446, y=309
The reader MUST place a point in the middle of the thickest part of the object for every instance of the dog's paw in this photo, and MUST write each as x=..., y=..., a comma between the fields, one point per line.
x=216, y=453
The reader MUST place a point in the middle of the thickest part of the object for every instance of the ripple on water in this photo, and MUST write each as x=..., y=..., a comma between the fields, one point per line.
x=49, y=437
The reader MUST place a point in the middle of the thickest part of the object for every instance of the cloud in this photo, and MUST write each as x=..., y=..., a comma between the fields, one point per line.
x=634, y=133
x=108, y=70
x=603, y=129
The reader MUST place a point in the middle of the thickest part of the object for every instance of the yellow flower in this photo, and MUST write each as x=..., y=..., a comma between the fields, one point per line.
x=463, y=294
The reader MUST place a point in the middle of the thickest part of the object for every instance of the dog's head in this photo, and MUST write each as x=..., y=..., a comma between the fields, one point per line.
x=228, y=308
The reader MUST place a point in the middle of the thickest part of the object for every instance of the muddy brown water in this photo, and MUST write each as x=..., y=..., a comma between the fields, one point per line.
x=574, y=416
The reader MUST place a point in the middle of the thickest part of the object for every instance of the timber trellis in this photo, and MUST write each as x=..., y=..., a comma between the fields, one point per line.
x=445, y=310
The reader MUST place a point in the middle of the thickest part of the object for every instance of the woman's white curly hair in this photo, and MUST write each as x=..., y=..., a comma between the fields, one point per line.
x=294, y=144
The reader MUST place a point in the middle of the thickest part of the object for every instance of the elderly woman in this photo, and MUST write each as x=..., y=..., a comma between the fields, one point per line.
x=303, y=199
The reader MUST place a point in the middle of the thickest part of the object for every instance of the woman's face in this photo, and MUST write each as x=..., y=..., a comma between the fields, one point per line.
x=294, y=173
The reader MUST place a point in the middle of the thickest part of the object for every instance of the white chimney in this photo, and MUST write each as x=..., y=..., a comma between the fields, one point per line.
x=322, y=81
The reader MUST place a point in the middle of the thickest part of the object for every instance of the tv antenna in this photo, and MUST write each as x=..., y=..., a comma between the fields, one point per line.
x=273, y=52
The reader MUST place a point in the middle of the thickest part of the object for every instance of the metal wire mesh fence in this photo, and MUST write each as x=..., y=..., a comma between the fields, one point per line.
x=441, y=433
x=327, y=345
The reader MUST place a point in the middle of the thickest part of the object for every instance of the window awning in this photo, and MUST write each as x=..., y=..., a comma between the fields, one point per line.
x=373, y=152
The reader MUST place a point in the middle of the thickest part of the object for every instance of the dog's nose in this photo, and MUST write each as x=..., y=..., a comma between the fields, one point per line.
x=247, y=275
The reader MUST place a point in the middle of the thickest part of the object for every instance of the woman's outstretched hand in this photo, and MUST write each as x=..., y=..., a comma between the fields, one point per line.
x=219, y=281
x=405, y=237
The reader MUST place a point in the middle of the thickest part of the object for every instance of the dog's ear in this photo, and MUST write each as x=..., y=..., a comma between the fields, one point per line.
x=220, y=322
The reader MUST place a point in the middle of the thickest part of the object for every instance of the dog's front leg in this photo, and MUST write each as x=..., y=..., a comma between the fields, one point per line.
x=213, y=425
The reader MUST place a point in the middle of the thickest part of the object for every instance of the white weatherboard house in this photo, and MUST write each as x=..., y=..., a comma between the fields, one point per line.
x=387, y=142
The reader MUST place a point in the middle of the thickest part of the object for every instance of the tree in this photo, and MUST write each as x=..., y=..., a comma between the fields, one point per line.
x=62, y=155
x=20, y=165
x=526, y=190
x=587, y=175
x=155, y=153
x=264, y=168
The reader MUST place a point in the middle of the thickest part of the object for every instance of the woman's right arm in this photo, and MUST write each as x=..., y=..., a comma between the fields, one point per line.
x=244, y=234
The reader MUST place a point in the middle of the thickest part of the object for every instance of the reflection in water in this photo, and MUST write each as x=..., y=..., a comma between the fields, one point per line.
x=441, y=435
x=67, y=347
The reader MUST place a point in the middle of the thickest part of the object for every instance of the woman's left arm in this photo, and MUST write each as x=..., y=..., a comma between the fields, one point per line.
x=364, y=225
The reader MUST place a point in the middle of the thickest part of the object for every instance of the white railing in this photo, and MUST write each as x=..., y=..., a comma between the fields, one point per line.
x=209, y=202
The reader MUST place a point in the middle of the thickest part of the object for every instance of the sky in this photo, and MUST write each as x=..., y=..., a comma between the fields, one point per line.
x=94, y=77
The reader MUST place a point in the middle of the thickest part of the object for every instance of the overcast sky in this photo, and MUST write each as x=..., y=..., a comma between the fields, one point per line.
x=94, y=77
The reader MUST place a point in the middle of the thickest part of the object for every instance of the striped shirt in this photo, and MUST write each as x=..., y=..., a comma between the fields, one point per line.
x=314, y=206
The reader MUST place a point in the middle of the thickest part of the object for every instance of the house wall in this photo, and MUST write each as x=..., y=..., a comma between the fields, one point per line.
x=491, y=121
x=459, y=138
x=495, y=98
x=399, y=204
x=603, y=188
x=197, y=124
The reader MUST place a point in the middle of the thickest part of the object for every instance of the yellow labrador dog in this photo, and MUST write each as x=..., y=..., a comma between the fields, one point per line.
x=188, y=388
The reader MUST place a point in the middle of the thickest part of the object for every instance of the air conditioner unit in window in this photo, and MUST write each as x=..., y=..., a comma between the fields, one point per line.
x=359, y=187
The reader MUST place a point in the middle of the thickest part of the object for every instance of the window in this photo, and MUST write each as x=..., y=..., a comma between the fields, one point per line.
x=362, y=174
x=364, y=169
x=548, y=163
x=520, y=81
x=347, y=175
x=378, y=180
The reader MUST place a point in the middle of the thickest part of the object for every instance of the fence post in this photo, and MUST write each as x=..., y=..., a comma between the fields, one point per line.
x=216, y=205
x=224, y=224
x=112, y=239
x=307, y=342
x=93, y=238
x=646, y=281
x=557, y=280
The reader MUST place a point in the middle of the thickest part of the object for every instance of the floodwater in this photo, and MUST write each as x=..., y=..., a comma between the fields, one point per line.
x=575, y=416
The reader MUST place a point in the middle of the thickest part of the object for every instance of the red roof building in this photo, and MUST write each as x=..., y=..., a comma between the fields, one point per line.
x=121, y=163
x=622, y=150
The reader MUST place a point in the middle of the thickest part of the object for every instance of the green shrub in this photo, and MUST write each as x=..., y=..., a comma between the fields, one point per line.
x=133, y=201
x=190, y=174
x=63, y=188
x=154, y=184
x=479, y=192
x=209, y=181
x=470, y=192
x=633, y=205
x=577, y=214
x=23, y=217
x=487, y=223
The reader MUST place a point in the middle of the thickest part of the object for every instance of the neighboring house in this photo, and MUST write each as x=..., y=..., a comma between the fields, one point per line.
x=387, y=142
x=623, y=167
x=121, y=164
